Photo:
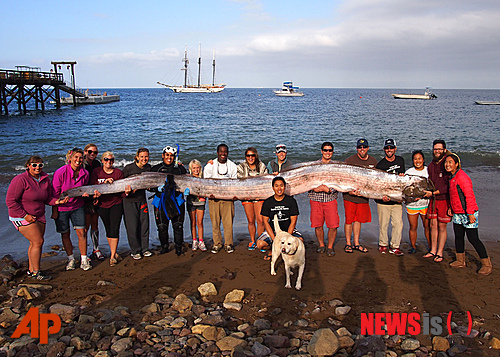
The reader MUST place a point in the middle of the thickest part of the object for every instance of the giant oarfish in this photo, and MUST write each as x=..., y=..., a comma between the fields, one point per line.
x=369, y=182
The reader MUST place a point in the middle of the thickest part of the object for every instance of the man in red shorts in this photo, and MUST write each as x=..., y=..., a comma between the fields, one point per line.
x=323, y=201
x=357, y=208
x=440, y=201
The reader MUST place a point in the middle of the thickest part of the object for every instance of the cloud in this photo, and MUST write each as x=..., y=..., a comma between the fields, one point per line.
x=137, y=58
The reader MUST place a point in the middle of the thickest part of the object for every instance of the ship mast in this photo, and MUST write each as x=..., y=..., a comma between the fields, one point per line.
x=185, y=69
x=199, y=65
x=213, y=71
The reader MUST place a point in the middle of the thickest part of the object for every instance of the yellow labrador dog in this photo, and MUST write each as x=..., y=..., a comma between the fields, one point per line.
x=292, y=251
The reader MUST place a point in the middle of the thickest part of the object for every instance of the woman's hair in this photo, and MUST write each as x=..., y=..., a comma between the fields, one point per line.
x=279, y=178
x=136, y=157
x=254, y=151
x=73, y=151
x=34, y=158
x=417, y=152
x=455, y=158
x=88, y=146
x=107, y=153
x=195, y=162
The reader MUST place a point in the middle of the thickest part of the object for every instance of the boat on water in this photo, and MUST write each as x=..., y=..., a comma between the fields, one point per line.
x=427, y=95
x=288, y=90
x=91, y=99
x=487, y=102
x=196, y=88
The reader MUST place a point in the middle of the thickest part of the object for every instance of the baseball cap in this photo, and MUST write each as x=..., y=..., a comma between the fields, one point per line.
x=170, y=150
x=362, y=142
x=280, y=148
x=389, y=142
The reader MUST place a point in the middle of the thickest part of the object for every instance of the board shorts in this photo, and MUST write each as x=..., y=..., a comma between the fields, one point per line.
x=357, y=212
x=322, y=212
x=76, y=216
x=438, y=209
x=414, y=211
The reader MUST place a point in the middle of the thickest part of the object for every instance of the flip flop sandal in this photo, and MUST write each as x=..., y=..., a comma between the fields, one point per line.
x=360, y=248
x=348, y=248
x=438, y=258
x=268, y=257
x=429, y=255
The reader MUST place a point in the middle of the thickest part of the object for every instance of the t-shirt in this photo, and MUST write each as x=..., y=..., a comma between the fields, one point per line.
x=98, y=177
x=393, y=167
x=355, y=160
x=130, y=170
x=285, y=209
x=423, y=202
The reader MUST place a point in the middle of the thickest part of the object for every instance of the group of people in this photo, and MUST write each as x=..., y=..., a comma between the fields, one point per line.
x=451, y=200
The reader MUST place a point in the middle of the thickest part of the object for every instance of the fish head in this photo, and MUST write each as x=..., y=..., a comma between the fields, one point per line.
x=416, y=189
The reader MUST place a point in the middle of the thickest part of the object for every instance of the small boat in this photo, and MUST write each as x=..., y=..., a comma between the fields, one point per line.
x=427, y=95
x=198, y=88
x=487, y=102
x=91, y=99
x=288, y=90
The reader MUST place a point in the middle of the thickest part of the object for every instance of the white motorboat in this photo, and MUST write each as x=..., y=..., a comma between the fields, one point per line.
x=427, y=95
x=91, y=99
x=487, y=102
x=288, y=90
x=198, y=88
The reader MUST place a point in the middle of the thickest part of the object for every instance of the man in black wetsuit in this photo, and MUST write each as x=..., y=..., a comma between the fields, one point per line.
x=169, y=165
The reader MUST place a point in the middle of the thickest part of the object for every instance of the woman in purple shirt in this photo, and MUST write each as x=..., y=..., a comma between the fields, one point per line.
x=27, y=195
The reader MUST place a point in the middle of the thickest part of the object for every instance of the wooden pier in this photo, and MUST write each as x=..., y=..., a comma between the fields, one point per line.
x=28, y=84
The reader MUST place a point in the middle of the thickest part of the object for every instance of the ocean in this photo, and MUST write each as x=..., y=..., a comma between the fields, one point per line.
x=154, y=118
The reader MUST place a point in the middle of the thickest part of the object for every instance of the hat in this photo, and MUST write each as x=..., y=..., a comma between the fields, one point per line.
x=389, y=142
x=280, y=148
x=170, y=150
x=362, y=142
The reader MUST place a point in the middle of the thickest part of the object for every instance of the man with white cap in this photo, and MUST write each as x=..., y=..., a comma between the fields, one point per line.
x=281, y=162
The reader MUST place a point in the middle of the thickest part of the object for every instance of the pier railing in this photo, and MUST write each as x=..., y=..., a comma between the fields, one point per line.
x=11, y=77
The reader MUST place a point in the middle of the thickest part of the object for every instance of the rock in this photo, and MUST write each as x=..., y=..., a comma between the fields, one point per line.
x=302, y=323
x=454, y=350
x=8, y=315
x=123, y=332
x=56, y=350
x=368, y=344
x=410, y=344
x=66, y=313
x=342, y=310
x=198, y=329
x=462, y=330
x=234, y=296
x=259, y=350
x=28, y=293
x=182, y=303
x=495, y=343
x=440, y=344
x=77, y=342
x=323, y=342
x=238, y=351
x=276, y=341
x=105, y=329
x=343, y=332
x=22, y=341
x=153, y=307
x=103, y=354
x=105, y=283
x=411, y=354
x=233, y=306
x=262, y=324
x=229, y=275
x=335, y=303
x=214, y=320
x=213, y=333
x=229, y=343
x=346, y=341
x=207, y=289
x=178, y=322
x=121, y=345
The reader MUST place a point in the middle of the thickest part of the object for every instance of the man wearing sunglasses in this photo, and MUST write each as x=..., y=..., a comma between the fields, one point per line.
x=390, y=211
x=169, y=165
x=323, y=201
x=356, y=207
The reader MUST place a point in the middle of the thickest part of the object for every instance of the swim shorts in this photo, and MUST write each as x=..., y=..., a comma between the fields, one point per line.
x=438, y=209
x=19, y=222
x=357, y=212
x=415, y=211
x=322, y=212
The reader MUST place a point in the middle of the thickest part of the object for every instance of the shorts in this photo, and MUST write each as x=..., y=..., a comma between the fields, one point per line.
x=438, y=209
x=20, y=223
x=76, y=216
x=192, y=208
x=357, y=212
x=250, y=202
x=463, y=220
x=322, y=212
x=415, y=211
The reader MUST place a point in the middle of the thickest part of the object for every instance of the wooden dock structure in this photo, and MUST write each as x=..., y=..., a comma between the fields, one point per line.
x=27, y=84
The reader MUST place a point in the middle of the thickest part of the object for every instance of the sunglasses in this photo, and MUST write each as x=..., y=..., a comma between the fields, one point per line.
x=250, y=155
x=327, y=150
x=35, y=165
x=389, y=148
x=362, y=147
x=90, y=152
x=112, y=159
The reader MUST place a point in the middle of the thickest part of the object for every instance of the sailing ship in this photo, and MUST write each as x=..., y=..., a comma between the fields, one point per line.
x=198, y=88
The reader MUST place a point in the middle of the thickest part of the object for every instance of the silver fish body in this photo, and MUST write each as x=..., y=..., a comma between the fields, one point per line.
x=370, y=183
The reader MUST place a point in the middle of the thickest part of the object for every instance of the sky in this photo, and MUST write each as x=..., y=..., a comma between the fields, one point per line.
x=260, y=43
